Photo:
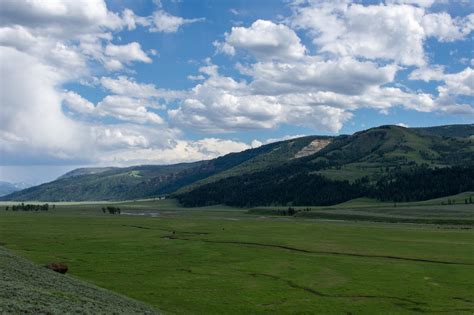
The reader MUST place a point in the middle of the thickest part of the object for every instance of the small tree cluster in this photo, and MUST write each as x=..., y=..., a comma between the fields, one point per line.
x=111, y=210
x=290, y=211
x=468, y=200
x=28, y=207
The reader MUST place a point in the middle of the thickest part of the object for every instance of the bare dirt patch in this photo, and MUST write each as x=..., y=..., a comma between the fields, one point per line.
x=313, y=147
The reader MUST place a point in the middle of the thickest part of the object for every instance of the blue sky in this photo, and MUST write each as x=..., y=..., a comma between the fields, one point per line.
x=122, y=82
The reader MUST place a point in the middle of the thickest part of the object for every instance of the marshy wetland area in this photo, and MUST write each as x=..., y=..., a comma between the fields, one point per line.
x=359, y=257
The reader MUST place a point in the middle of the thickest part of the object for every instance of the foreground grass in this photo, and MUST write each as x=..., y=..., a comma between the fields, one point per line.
x=221, y=260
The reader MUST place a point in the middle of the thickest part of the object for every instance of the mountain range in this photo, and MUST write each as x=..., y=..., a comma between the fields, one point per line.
x=350, y=164
x=7, y=188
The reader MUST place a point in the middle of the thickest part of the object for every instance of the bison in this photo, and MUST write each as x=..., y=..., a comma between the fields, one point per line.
x=58, y=267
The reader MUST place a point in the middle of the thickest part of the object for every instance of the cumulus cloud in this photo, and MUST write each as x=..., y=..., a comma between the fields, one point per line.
x=167, y=23
x=127, y=109
x=345, y=75
x=62, y=18
x=265, y=40
x=224, y=48
x=445, y=28
x=33, y=122
x=124, y=54
x=461, y=83
x=123, y=85
x=420, y=3
x=383, y=31
x=454, y=86
x=427, y=73
x=221, y=104
x=120, y=107
x=196, y=77
x=77, y=103
x=49, y=44
x=68, y=61
x=177, y=151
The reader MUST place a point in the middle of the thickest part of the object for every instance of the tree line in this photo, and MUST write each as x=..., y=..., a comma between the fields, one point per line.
x=297, y=187
x=111, y=210
x=28, y=207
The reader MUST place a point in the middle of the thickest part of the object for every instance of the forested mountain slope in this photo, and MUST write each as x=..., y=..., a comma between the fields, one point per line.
x=310, y=164
x=148, y=181
x=380, y=163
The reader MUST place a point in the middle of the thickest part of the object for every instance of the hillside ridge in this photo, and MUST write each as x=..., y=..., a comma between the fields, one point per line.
x=370, y=154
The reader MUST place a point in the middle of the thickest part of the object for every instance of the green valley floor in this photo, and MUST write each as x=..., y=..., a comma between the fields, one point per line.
x=221, y=260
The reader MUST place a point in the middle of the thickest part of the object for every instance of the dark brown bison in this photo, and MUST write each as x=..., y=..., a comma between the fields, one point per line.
x=58, y=267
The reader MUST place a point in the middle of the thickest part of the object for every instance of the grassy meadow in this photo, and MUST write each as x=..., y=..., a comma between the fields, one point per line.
x=221, y=260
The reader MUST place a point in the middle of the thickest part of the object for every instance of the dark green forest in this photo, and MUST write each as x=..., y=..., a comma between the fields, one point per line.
x=269, y=189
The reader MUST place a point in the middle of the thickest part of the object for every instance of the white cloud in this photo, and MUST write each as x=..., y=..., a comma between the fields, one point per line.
x=461, y=83
x=65, y=58
x=376, y=97
x=128, y=109
x=374, y=32
x=454, y=85
x=196, y=77
x=32, y=122
x=129, y=87
x=387, y=32
x=17, y=37
x=116, y=137
x=48, y=44
x=345, y=75
x=167, y=23
x=420, y=3
x=256, y=143
x=130, y=20
x=125, y=54
x=177, y=151
x=428, y=73
x=459, y=109
x=265, y=40
x=132, y=145
x=224, y=48
x=445, y=28
x=221, y=104
x=61, y=18
x=320, y=94
x=457, y=85
x=77, y=103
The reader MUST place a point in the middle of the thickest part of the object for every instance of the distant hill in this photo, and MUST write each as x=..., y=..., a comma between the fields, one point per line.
x=368, y=155
x=87, y=171
x=26, y=288
x=155, y=180
x=463, y=131
x=8, y=188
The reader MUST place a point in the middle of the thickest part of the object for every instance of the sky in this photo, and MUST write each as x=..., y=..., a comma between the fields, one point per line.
x=124, y=82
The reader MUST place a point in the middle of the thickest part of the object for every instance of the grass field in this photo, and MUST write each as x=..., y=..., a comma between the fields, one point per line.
x=435, y=211
x=220, y=260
